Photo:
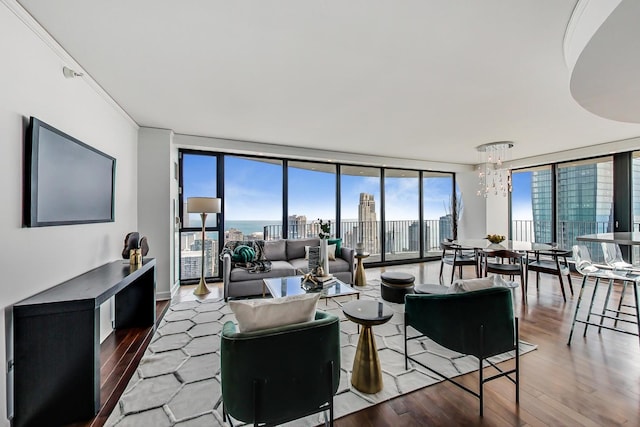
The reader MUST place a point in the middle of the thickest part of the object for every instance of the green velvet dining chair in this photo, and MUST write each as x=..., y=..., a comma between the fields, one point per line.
x=277, y=375
x=479, y=323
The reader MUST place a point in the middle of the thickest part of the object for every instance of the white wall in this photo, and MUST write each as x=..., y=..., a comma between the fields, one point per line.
x=158, y=191
x=497, y=211
x=34, y=259
x=473, y=222
x=480, y=215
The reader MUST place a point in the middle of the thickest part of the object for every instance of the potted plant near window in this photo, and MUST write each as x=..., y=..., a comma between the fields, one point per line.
x=324, y=234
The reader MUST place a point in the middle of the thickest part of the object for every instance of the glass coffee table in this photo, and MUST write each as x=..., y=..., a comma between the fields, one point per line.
x=285, y=286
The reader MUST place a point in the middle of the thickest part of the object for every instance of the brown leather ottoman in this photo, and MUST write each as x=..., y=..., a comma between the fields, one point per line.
x=395, y=286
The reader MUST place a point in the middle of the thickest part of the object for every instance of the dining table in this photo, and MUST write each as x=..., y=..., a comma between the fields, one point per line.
x=533, y=249
x=630, y=238
x=512, y=245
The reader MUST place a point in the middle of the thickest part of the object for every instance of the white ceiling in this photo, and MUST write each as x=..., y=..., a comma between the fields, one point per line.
x=606, y=77
x=427, y=80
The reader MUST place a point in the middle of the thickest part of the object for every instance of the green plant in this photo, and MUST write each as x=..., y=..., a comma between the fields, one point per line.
x=325, y=229
x=455, y=210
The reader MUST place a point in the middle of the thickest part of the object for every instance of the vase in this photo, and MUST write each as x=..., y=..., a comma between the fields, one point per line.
x=324, y=256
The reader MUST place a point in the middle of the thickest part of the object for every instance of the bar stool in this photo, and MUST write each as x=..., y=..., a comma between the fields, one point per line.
x=587, y=269
x=614, y=259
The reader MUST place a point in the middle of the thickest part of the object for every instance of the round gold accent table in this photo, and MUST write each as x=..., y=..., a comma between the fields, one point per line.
x=361, y=278
x=367, y=375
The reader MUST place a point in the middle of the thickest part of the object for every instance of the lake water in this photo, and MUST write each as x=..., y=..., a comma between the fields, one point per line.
x=248, y=227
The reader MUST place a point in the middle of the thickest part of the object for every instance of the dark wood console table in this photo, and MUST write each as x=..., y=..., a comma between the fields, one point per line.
x=57, y=340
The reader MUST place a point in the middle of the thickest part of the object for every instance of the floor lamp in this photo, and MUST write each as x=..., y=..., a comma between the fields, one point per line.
x=203, y=206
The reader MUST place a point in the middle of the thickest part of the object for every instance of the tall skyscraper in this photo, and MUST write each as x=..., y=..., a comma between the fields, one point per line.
x=297, y=226
x=368, y=223
x=191, y=259
x=585, y=201
x=635, y=196
x=541, y=198
x=414, y=236
x=233, y=234
x=445, y=227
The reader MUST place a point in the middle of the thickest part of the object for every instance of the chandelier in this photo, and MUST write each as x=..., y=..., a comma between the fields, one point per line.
x=493, y=175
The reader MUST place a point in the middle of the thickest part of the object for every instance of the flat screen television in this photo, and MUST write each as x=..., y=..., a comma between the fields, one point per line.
x=65, y=181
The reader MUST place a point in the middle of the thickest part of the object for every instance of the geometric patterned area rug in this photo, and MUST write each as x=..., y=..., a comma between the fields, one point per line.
x=178, y=380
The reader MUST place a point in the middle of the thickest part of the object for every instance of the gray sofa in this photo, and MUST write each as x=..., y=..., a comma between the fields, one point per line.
x=286, y=257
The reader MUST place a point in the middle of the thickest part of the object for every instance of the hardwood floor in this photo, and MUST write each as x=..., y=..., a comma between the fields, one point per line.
x=593, y=382
x=120, y=355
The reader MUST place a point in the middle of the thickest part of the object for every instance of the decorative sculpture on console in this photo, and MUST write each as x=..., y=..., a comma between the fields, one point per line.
x=136, y=244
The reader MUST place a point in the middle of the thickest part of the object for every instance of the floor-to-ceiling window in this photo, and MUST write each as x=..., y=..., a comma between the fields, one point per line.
x=252, y=198
x=360, y=208
x=584, y=197
x=312, y=196
x=199, y=179
x=272, y=198
x=438, y=210
x=635, y=200
x=401, y=227
x=532, y=204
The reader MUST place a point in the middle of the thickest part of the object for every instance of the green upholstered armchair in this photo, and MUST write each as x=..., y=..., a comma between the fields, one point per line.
x=277, y=375
x=479, y=323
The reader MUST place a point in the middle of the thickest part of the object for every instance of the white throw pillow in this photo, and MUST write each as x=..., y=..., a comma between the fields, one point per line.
x=499, y=282
x=467, y=285
x=332, y=252
x=257, y=314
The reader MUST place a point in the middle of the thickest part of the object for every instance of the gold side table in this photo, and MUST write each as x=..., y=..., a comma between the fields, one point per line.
x=361, y=278
x=367, y=375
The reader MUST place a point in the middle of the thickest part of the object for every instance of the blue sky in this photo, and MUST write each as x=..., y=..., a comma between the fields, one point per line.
x=250, y=193
x=521, y=196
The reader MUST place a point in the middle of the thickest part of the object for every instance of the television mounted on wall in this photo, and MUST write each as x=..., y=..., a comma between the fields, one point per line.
x=65, y=180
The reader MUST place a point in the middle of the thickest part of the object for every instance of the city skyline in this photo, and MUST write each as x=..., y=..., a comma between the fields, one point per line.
x=584, y=193
x=257, y=182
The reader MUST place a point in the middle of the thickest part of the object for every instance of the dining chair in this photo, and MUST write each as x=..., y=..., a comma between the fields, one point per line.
x=613, y=256
x=505, y=263
x=587, y=269
x=552, y=261
x=614, y=259
x=455, y=256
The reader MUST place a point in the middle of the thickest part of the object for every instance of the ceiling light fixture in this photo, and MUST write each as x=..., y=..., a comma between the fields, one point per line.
x=69, y=73
x=493, y=175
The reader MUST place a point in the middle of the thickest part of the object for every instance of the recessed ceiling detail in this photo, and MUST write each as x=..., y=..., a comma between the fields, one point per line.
x=415, y=80
x=605, y=79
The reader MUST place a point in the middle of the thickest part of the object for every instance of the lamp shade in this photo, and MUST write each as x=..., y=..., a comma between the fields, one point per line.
x=203, y=205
